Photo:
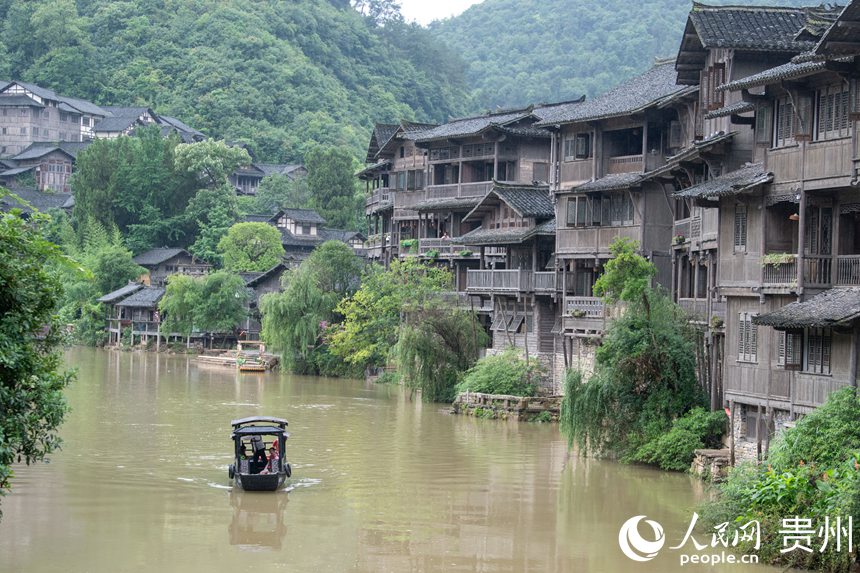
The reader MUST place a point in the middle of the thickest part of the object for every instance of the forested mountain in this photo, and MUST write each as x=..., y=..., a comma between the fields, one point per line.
x=525, y=51
x=281, y=76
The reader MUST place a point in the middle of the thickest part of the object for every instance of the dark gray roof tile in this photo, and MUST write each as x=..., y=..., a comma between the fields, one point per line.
x=470, y=126
x=147, y=297
x=304, y=216
x=120, y=293
x=833, y=307
x=155, y=257
x=636, y=94
x=733, y=183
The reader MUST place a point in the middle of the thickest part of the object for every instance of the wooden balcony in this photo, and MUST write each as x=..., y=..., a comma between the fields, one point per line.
x=447, y=248
x=381, y=195
x=780, y=274
x=624, y=164
x=458, y=190
x=550, y=282
x=817, y=270
x=584, y=314
x=592, y=240
x=697, y=309
x=499, y=281
x=848, y=270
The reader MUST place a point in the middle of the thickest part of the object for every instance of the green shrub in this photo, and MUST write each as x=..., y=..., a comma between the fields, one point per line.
x=542, y=418
x=673, y=450
x=410, y=245
x=812, y=471
x=390, y=377
x=432, y=254
x=504, y=373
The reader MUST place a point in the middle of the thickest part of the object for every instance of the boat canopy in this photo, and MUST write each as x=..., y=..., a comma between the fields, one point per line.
x=258, y=430
x=252, y=419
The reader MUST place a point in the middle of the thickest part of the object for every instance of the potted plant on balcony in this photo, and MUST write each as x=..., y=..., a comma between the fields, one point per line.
x=465, y=253
x=577, y=313
x=409, y=245
x=432, y=254
x=678, y=239
x=716, y=322
x=776, y=259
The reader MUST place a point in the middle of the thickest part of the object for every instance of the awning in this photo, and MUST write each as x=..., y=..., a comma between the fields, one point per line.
x=732, y=183
x=735, y=108
x=835, y=307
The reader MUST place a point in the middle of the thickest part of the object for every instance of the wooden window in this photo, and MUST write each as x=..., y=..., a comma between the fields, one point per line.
x=763, y=124
x=790, y=349
x=831, y=112
x=818, y=350
x=717, y=77
x=621, y=209
x=540, y=171
x=784, y=124
x=747, y=338
x=23, y=131
x=569, y=148
x=582, y=146
x=740, y=242
x=578, y=211
x=676, y=137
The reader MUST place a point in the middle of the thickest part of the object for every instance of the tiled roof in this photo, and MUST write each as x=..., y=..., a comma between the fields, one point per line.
x=120, y=293
x=453, y=203
x=786, y=71
x=39, y=200
x=473, y=125
x=155, y=257
x=510, y=235
x=526, y=200
x=278, y=168
x=178, y=124
x=305, y=241
x=304, y=216
x=42, y=148
x=382, y=132
x=16, y=171
x=371, y=168
x=147, y=297
x=115, y=124
x=737, y=107
x=842, y=39
x=612, y=182
x=755, y=28
x=18, y=100
x=732, y=183
x=833, y=307
x=630, y=97
x=252, y=281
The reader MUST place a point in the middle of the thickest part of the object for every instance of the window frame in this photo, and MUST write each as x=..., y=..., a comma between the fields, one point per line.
x=818, y=351
x=741, y=228
x=747, y=338
x=832, y=105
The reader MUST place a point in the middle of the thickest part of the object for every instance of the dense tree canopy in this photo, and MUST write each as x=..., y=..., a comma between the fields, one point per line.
x=251, y=247
x=332, y=186
x=279, y=76
x=32, y=405
x=532, y=51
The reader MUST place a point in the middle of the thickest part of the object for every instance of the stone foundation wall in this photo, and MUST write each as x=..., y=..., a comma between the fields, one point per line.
x=524, y=409
x=746, y=446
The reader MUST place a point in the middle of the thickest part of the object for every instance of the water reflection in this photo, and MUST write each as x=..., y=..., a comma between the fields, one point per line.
x=380, y=483
x=258, y=519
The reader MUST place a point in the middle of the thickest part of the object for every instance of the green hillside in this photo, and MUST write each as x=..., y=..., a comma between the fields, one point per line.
x=523, y=51
x=281, y=76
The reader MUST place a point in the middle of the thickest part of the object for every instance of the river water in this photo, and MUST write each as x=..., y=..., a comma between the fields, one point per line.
x=380, y=483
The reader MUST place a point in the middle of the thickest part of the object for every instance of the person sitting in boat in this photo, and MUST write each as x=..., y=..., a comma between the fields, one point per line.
x=271, y=467
x=259, y=448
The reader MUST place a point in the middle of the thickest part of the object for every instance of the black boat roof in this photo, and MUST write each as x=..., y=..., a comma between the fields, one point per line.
x=253, y=419
x=253, y=430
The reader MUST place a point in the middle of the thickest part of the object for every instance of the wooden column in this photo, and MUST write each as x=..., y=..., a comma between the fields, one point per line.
x=496, y=162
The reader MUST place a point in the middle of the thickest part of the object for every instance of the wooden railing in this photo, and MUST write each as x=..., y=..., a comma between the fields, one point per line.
x=697, y=308
x=848, y=270
x=444, y=247
x=545, y=282
x=624, y=164
x=780, y=273
x=817, y=270
x=681, y=229
x=499, y=280
x=380, y=195
x=495, y=251
x=455, y=190
x=584, y=306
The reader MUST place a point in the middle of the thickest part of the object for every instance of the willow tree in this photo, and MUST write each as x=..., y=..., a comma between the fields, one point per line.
x=436, y=345
x=295, y=320
x=645, y=369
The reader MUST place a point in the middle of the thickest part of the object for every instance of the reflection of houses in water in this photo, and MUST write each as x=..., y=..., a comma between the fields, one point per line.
x=258, y=519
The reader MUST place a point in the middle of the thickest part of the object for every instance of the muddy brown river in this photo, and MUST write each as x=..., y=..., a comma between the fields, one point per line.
x=380, y=484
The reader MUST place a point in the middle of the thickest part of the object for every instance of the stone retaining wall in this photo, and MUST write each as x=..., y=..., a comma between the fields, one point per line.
x=502, y=406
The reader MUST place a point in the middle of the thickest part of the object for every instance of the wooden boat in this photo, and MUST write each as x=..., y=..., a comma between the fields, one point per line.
x=252, y=473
